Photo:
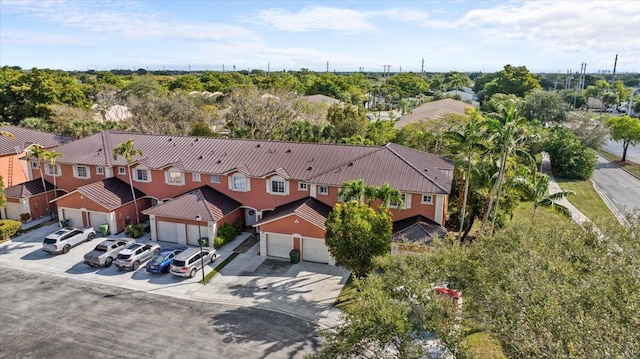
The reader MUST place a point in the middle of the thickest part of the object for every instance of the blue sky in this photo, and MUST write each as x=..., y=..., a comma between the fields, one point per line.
x=545, y=36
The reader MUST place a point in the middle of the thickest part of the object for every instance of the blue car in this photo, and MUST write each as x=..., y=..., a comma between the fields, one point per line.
x=160, y=262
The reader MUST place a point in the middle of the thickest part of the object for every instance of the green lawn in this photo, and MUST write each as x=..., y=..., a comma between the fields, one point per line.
x=524, y=211
x=628, y=165
x=587, y=200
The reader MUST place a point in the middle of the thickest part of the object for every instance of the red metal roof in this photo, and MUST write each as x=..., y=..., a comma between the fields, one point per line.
x=417, y=229
x=205, y=201
x=330, y=164
x=25, y=137
x=27, y=189
x=110, y=193
x=309, y=209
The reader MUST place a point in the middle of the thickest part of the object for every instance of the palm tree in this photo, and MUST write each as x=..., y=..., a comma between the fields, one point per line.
x=352, y=189
x=535, y=187
x=387, y=194
x=53, y=156
x=470, y=137
x=126, y=150
x=40, y=153
x=505, y=134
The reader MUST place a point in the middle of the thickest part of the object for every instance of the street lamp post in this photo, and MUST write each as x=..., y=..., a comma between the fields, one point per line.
x=198, y=219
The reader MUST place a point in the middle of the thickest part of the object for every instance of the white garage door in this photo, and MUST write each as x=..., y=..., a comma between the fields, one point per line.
x=167, y=232
x=279, y=245
x=193, y=235
x=314, y=250
x=96, y=219
x=14, y=210
x=74, y=216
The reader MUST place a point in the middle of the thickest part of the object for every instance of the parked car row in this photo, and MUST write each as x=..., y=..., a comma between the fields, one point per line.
x=128, y=254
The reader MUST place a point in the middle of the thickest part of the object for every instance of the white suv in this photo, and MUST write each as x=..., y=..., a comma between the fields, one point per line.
x=63, y=239
x=136, y=254
x=188, y=262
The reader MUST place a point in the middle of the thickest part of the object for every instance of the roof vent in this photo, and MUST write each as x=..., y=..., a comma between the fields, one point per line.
x=196, y=140
x=426, y=170
x=170, y=139
x=200, y=157
x=288, y=150
x=311, y=160
x=218, y=161
x=350, y=164
x=99, y=150
x=271, y=150
x=258, y=145
x=309, y=168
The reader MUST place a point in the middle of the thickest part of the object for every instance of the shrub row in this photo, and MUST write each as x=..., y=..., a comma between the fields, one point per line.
x=228, y=232
x=8, y=227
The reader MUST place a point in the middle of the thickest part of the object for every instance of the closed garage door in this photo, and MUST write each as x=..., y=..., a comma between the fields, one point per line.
x=314, y=250
x=279, y=245
x=167, y=232
x=96, y=219
x=74, y=216
x=14, y=210
x=193, y=234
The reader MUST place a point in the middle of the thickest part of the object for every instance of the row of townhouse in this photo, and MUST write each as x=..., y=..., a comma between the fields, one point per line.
x=285, y=190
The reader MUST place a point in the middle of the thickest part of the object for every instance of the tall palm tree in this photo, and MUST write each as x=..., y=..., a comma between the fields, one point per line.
x=506, y=135
x=535, y=187
x=53, y=156
x=471, y=136
x=40, y=153
x=352, y=189
x=387, y=194
x=126, y=150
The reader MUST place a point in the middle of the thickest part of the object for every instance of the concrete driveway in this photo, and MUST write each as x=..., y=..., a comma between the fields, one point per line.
x=304, y=290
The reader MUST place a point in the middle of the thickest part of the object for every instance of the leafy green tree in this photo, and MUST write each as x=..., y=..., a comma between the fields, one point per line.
x=40, y=154
x=516, y=80
x=458, y=80
x=346, y=121
x=142, y=87
x=303, y=131
x=356, y=233
x=381, y=132
x=126, y=150
x=570, y=158
x=592, y=130
x=186, y=83
x=545, y=107
x=201, y=129
x=625, y=129
x=408, y=84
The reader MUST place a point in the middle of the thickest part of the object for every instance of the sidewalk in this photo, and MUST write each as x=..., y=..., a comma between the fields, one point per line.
x=576, y=215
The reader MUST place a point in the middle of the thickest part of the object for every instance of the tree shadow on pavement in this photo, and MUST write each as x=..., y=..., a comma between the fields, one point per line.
x=281, y=335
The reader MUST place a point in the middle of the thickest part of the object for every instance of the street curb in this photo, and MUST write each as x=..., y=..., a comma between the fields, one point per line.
x=624, y=169
x=610, y=205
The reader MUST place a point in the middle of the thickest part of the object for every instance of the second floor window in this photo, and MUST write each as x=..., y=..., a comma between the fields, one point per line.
x=277, y=185
x=52, y=170
x=406, y=202
x=239, y=182
x=100, y=170
x=196, y=177
x=323, y=190
x=175, y=177
x=35, y=165
x=122, y=171
x=427, y=199
x=303, y=186
x=215, y=179
x=82, y=171
x=141, y=175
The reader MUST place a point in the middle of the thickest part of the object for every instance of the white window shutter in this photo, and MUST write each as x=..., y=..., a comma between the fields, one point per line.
x=286, y=187
x=268, y=181
x=248, y=183
x=230, y=179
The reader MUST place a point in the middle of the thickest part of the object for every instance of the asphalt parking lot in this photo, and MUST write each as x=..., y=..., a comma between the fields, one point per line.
x=304, y=290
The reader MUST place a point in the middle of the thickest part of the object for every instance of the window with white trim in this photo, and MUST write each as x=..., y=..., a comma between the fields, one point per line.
x=52, y=170
x=239, y=182
x=81, y=172
x=35, y=164
x=214, y=178
x=141, y=174
x=174, y=177
x=324, y=190
x=195, y=176
x=277, y=185
x=100, y=170
x=122, y=171
x=303, y=186
x=406, y=202
x=427, y=199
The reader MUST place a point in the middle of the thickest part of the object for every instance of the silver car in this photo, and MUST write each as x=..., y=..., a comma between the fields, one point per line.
x=187, y=263
x=63, y=239
x=136, y=254
x=106, y=252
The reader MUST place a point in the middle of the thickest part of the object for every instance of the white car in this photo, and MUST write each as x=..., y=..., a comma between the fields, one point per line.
x=62, y=240
x=136, y=254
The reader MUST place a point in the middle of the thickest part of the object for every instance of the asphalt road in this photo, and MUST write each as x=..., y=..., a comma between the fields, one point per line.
x=633, y=152
x=620, y=187
x=43, y=316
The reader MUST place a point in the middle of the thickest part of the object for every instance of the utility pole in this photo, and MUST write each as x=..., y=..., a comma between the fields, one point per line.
x=268, y=68
x=400, y=69
x=422, y=70
x=222, y=68
x=327, y=66
x=613, y=78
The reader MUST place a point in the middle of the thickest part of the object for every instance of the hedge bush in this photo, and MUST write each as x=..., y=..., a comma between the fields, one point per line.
x=134, y=230
x=218, y=242
x=227, y=232
x=570, y=158
x=9, y=227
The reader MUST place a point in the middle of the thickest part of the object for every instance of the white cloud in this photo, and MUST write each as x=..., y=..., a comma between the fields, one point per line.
x=316, y=18
x=11, y=37
x=124, y=19
x=561, y=26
